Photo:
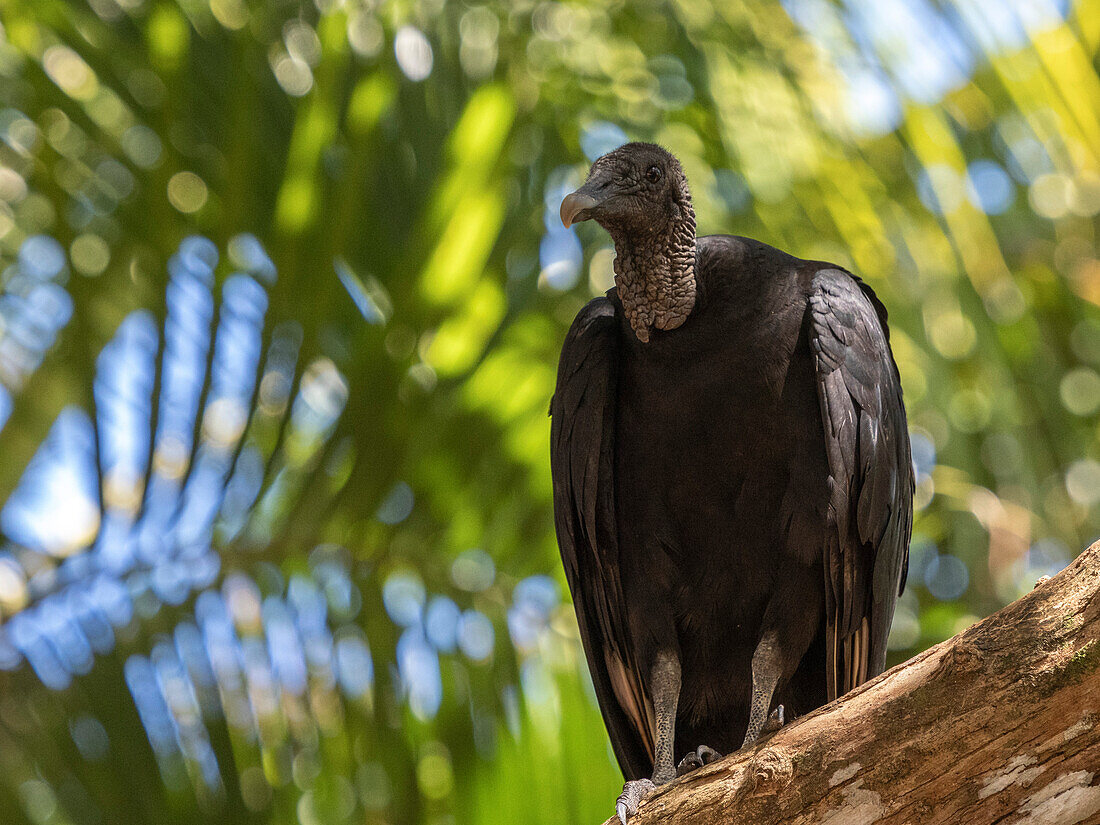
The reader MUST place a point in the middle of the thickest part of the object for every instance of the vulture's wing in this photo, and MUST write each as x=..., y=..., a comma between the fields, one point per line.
x=582, y=439
x=870, y=475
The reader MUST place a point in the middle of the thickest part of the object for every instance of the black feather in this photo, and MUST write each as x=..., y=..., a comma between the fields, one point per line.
x=747, y=473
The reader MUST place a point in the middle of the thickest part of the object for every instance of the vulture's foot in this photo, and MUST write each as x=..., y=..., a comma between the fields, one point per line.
x=633, y=792
x=776, y=719
x=702, y=755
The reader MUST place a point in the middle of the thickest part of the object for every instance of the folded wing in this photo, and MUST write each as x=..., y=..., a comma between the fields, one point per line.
x=582, y=437
x=870, y=475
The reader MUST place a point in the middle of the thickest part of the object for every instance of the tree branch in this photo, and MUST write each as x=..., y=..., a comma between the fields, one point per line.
x=1000, y=724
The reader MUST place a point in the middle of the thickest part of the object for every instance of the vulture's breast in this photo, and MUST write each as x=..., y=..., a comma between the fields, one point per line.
x=711, y=435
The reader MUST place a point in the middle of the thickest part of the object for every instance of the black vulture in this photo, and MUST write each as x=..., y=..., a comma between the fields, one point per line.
x=733, y=483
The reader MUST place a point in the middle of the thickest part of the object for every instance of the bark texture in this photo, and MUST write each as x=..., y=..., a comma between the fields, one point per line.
x=1000, y=724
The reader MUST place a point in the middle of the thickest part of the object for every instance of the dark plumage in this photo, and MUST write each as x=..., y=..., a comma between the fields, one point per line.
x=732, y=476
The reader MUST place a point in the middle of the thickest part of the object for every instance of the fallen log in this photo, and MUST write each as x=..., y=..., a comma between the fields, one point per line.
x=1000, y=724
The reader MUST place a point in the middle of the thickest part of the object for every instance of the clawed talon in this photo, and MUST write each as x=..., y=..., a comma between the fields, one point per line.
x=633, y=792
x=702, y=755
x=689, y=763
x=773, y=723
x=776, y=720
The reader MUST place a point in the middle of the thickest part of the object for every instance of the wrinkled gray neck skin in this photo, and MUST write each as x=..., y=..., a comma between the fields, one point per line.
x=655, y=273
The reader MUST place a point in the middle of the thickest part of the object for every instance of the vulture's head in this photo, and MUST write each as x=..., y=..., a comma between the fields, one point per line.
x=639, y=194
x=634, y=192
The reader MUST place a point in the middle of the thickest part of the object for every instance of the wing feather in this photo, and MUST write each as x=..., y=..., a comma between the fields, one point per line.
x=582, y=440
x=871, y=482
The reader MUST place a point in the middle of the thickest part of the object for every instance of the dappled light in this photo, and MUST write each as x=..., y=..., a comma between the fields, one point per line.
x=282, y=292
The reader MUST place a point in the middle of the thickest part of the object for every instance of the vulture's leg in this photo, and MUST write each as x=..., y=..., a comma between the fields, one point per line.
x=790, y=623
x=767, y=669
x=664, y=688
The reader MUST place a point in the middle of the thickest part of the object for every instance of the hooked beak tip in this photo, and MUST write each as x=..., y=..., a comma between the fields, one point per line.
x=573, y=207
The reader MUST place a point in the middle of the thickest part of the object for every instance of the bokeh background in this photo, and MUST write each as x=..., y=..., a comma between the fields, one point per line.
x=282, y=288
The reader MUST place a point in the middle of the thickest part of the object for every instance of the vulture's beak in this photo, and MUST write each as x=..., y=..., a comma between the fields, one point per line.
x=577, y=207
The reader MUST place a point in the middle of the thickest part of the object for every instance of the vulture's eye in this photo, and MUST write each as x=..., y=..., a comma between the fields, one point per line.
x=653, y=174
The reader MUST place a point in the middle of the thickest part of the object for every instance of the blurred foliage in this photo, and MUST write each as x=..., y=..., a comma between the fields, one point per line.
x=281, y=293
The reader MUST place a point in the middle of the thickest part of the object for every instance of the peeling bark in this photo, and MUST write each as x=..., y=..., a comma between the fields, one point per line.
x=1000, y=724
